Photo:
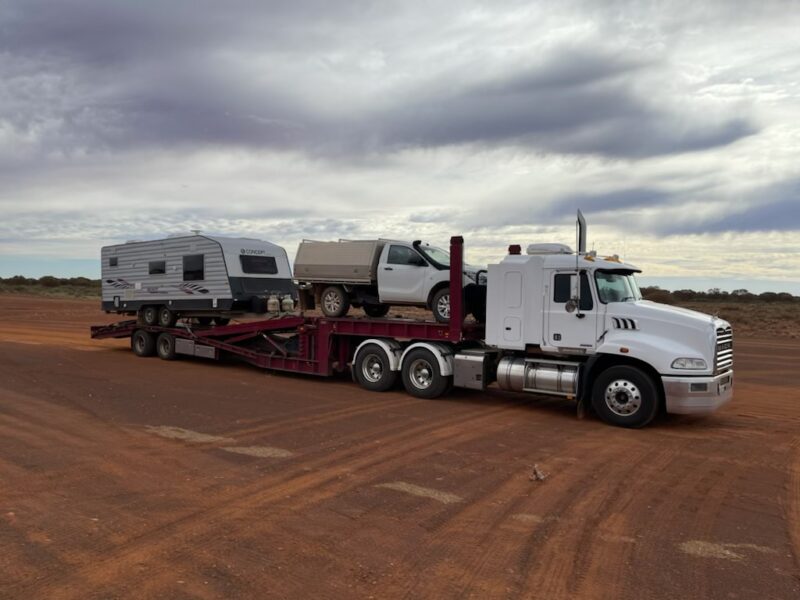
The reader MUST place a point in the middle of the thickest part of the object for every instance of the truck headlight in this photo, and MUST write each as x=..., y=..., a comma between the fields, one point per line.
x=689, y=364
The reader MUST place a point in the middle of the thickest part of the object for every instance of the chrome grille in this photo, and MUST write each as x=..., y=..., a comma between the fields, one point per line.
x=723, y=360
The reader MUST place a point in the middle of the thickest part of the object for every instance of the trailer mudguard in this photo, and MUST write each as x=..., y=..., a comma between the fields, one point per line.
x=392, y=349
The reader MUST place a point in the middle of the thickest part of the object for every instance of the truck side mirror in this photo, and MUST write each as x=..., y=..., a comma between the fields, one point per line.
x=571, y=305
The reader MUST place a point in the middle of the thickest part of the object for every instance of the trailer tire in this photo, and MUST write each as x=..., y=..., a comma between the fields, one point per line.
x=373, y=370
x=149, y=315
x=376, y=311
x=625, y=396
x=165, y=346
x=166, y=318
x=440, y=305
x=143, y=343
x=422, y=377
x=221, y=321
x=335, y=302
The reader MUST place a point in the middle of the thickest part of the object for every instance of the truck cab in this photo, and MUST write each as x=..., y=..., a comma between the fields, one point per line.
x=588, y=311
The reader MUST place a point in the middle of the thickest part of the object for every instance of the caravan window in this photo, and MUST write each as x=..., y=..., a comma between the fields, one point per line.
x=113, y=261
x=259, y=265
x=193, y=268
x=157, y=267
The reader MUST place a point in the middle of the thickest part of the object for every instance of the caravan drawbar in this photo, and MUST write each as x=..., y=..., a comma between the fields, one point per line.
x=558, y=323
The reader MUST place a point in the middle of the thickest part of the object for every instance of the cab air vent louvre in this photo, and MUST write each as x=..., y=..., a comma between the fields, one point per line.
x=622, y=323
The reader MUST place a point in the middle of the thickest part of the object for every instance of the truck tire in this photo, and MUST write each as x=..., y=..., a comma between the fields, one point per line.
x=625, y=396
x=421, y=375
x=335, y=302
x=166, y=318
x=440, y=305
x=376, y=310
x=165, y=346
x=143, y=343
x=372, y=370
x=148, y=315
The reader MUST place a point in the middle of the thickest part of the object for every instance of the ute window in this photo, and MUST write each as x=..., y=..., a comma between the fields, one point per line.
x=562, y=290
x=437, y=256
x=403, y=255
x=617, y=286
x=258, y=265
x=193, y=267
x=157, y=267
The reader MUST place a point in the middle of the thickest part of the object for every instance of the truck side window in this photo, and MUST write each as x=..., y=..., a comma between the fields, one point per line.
x=402, y=255
x=157, y=267
x=259, y=265
x=193, y=267
x=562, y=289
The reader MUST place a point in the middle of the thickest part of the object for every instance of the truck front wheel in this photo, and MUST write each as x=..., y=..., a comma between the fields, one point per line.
x=335, y=302
x=625, y=396
x=372, y=370
x=421, y=375
x=440, y=304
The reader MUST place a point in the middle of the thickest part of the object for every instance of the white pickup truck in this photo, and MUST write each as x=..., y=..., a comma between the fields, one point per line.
x=377, y=274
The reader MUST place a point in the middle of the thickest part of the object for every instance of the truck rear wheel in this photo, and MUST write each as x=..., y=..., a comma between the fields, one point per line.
x=440, y=305
x=165, y=346
x=625, y=396
x=376, y=310
x=166, y=318
x=335, y=302
x=372, y=369
x=421, y=375
x=149, y=315
x=143, y=343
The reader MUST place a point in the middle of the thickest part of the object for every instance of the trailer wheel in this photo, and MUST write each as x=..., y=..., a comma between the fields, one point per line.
x=143, y=343
x=376, y=310
x=421, y=375
x=221, y=321
x=166, y=318
x=440, y=305
x=149, y=315
x=625, y=396
x=335, y=302
x=372, y=369
x=165, y=346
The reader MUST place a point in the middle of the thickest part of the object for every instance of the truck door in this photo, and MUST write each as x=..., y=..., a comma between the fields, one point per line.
x=401, y=275
x=565, y=328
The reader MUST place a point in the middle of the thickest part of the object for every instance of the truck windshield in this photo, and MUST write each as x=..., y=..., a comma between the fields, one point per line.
x=617, y=286
x=435, y=255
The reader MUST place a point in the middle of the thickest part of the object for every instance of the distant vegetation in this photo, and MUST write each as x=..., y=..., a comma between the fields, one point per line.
x=72, y=287
x=656, y=294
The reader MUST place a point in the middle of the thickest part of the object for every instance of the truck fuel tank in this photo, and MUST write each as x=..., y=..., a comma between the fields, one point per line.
x=536, y=375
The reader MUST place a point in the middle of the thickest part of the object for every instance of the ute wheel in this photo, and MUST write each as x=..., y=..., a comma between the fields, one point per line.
x=371, y=369
x=165, y=346
x=143, y=343
x=166, y=318
x=421, y=375
x=221, y=321
x=335, y=302
x=440, y=305
x=376, y=310
x=479, y=314
x=149, y=315
x=625, y=396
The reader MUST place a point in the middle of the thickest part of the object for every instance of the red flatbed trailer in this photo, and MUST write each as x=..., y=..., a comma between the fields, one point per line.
x=299, y=344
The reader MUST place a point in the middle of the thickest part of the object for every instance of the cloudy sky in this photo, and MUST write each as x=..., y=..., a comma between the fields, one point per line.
x=674, y=126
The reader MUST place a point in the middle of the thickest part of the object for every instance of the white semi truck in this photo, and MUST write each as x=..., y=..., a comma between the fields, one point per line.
x=378, y=274
x=558, y=322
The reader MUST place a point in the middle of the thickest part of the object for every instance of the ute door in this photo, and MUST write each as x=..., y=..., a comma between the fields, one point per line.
x=401, y=275
x=566, y=329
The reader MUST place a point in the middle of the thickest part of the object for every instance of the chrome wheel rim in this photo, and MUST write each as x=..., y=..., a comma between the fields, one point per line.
x=443, y=306
x=623, y=397
x=421, y=374
x=372, y=368
x=332, y=302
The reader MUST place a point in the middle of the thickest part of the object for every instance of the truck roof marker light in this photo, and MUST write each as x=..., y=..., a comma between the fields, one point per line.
x=515, y=249
x=624, y=350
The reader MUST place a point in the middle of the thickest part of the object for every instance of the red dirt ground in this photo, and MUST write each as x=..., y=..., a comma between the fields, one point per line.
x=383, y=495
